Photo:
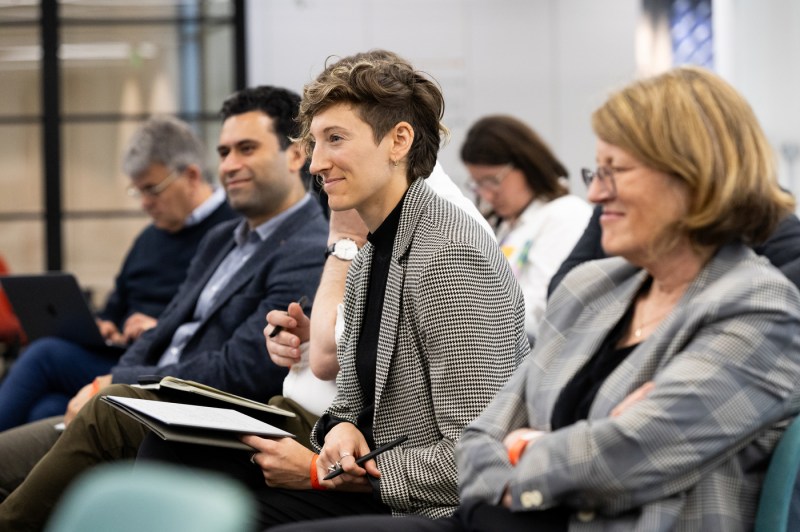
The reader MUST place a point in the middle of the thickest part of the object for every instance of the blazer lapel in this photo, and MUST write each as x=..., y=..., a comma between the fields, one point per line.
x=416, y=199
x=558, y=365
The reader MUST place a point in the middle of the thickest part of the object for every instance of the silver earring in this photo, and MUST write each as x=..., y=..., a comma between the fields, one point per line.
x=319, y=179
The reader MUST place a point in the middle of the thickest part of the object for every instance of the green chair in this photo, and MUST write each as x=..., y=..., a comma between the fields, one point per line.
x=153, y=498
x=774, y=506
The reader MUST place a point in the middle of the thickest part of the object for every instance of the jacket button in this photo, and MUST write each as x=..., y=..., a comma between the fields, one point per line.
x=531, y=499
x=585, y=516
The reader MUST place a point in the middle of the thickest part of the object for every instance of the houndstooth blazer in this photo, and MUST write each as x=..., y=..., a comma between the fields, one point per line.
x=452, y=333
x=690, y=456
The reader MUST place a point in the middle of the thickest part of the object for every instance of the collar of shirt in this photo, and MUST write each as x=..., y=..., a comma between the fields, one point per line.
x=205, y=209
x=242, y=232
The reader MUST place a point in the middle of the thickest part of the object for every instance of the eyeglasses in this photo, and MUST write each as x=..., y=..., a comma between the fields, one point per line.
x=604, y=175
x=152, y=191
x=491, y=183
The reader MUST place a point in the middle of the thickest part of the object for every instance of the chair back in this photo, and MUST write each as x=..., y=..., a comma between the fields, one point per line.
x=153, y=498
x=775, y=503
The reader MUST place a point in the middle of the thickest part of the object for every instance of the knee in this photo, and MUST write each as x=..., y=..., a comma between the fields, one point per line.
x=45, y=349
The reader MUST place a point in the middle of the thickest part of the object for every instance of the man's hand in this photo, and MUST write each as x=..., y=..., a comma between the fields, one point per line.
x=83, y=396
x=343, y=444
x=109, y=331
x=284, y=348
x=135, y=325
x=283, y=462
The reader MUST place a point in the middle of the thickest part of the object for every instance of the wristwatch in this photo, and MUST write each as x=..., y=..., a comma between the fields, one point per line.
x=342, y=249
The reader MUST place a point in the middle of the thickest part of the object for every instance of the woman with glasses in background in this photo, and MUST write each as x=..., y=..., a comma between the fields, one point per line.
x=662, y=377
x=537, y=221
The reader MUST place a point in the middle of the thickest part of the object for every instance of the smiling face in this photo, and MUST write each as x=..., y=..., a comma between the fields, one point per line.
x=639, y=216
x=259, y=178
x=358, y=173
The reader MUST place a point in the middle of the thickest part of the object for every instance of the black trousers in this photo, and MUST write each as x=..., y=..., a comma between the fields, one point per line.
x=276, y=506
x=479, y=517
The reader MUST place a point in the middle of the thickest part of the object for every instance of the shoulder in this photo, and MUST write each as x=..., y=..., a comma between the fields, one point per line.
x=445, y=188
x=441, y=224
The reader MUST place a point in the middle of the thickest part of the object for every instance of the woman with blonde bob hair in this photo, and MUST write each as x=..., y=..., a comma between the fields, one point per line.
x=661, y=376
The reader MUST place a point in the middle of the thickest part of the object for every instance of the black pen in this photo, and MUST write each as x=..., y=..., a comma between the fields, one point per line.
x=367, y=457
x=303, y=301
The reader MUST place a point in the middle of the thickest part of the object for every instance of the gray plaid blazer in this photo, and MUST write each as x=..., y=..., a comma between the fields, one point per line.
x=452, y=333
x=692, y=455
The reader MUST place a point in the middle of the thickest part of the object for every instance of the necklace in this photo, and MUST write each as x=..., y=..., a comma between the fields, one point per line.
x=637, y=332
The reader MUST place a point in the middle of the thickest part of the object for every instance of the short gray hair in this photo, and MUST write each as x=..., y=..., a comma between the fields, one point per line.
x=163, y=140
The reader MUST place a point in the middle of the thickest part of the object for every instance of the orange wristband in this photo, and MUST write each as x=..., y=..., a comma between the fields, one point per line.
x=315, y=485
x=95, y=386
x=515, y=451
x=518, y=447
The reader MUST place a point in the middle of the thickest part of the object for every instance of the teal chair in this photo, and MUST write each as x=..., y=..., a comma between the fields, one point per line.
x=774, y=506
x=153, y=498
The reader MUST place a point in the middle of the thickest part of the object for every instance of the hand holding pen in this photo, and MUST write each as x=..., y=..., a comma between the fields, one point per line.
x=285, y=349
x=336, y=469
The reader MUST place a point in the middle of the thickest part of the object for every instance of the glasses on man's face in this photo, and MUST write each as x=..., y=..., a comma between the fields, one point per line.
x=152, y=191
x=490, y=183
x=604, y=176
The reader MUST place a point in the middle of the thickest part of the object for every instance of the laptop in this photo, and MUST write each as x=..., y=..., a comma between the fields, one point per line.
x=52, y=304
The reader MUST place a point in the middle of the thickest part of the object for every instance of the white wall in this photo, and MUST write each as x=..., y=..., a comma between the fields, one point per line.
x=757, y=49
x=549, y=62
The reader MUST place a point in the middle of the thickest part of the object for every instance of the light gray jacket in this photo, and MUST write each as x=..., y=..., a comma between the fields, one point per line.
x=692, y=454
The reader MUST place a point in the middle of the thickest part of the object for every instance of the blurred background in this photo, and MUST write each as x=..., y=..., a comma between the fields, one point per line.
x=78, y=76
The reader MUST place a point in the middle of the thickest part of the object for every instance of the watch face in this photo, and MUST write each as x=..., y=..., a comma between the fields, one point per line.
x=345, y=249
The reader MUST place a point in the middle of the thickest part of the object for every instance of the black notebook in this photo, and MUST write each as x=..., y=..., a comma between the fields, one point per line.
x=203, y=425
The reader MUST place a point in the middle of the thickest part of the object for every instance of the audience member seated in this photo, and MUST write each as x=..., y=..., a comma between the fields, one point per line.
x=418, y=354
x=164, y=160
x=211, y=332
x=660, y=377
x=524, y=183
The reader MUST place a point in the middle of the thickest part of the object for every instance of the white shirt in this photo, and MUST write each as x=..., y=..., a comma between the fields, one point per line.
x=536, y=244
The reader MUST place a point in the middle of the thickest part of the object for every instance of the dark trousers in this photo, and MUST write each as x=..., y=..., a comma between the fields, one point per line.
x=479, y=517
x=48, y=373
x=276, y=506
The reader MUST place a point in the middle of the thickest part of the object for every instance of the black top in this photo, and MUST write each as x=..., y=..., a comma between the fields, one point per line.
x=367, y=348
x=576, y=398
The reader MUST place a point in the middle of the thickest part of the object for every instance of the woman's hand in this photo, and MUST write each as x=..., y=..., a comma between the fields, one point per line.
x=634, y=397
x=343, y=444
x=283, y=462
x=284, y=348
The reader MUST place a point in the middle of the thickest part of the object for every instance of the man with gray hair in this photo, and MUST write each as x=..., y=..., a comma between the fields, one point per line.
x=164, y=160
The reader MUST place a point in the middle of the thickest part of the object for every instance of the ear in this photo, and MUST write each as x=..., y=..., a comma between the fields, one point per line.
x=295, y=157
x=194, y=174
x=402, y=137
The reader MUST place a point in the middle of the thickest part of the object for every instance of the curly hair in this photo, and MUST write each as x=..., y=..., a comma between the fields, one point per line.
x=384, y=89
